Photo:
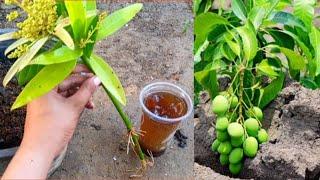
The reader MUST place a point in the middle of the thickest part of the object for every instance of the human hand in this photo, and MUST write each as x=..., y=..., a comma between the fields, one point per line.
x=50, y=123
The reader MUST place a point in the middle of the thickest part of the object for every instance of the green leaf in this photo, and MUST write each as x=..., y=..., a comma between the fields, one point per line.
x=48, y=78
x=273, y=5
x=301, y=44
x=90, y=5
x=265, y=68
x=208, y=79
x=295, y=60
x=249, y=41
x=7, y=36
x=197, y=56
x=16, y=44
x=287, y=19
x=234, y=46
x=64, y=36
x=256, y=16
x=282, y=39
x=239, y=9
x=271, y=91
x=117, y=19
x=308, y=83
x=227, y=52
x=249, y=4
x=108, y=78
x=28, y=73
x=24, y=60
x=315, y=42
x=304, y=10
x=205, y=22
x=77, y=15
x=56, y=56
x=196, y=5
x=208, y=6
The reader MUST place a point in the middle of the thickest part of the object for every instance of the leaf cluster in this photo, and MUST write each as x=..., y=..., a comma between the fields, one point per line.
x=49, y=59
x=266, y=40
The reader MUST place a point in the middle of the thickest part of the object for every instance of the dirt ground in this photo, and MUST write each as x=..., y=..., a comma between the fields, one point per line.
x=153, y=47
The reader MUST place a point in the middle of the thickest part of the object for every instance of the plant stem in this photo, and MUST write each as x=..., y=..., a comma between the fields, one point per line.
x=241, y=76
x=128, y=123
x=125, y=118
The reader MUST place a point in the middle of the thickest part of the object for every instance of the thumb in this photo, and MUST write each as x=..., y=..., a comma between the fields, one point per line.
x=83, y=95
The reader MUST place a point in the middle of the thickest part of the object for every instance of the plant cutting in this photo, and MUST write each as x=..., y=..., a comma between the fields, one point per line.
x=252, y=46
x=54, y=37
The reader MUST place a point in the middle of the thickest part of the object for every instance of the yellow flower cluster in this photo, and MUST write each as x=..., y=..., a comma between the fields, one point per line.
x=12, y=16
x=19, y=51
x=9, y=2
x=41, y=18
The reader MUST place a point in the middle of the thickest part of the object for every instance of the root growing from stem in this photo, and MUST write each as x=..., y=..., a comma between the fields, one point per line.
x=145, y=163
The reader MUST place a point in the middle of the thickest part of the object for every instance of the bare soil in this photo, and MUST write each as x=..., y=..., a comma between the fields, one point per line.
x=11, y=122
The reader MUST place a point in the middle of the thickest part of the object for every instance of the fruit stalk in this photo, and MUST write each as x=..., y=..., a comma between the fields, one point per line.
x=241, y=77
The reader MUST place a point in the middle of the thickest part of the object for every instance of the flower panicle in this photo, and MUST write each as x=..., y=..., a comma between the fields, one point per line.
x=41, y=18
x=12, y=16
x=19, y=51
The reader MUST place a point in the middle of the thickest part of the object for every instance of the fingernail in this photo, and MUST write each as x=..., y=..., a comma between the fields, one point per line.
x=83, y=74
x=96, y=81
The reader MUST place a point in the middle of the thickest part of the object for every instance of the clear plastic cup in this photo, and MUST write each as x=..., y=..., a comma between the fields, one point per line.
x=164, y=107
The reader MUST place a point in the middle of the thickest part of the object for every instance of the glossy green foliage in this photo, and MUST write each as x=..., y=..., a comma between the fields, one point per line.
x=79, y=27
x=108, y=78
x=251, y=31
x=118, y=19
x=48, y=78
x=251, y=46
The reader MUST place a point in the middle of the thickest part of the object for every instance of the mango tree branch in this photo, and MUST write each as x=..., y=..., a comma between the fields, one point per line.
x=127, y=121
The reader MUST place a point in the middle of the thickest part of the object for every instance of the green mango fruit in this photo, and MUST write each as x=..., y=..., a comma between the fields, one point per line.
x=222, y=123
x=233, y=101
x=236, y=155
x=256, y=113
x=224, y=159
x=215, y=145
x=235, y=130
x=250, y=147
x=235, y=168
x=225, y=147
x=262, y=136
x=220, y=105
x=222, y=135
x=252, y=126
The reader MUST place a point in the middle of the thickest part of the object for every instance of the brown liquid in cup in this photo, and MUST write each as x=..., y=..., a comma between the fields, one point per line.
x=157, y=133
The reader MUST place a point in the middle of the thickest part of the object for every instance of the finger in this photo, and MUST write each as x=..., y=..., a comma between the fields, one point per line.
x=83, y=95
x=72, y=91
x=81, y=68
x=64, y=94
x=75, y=80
